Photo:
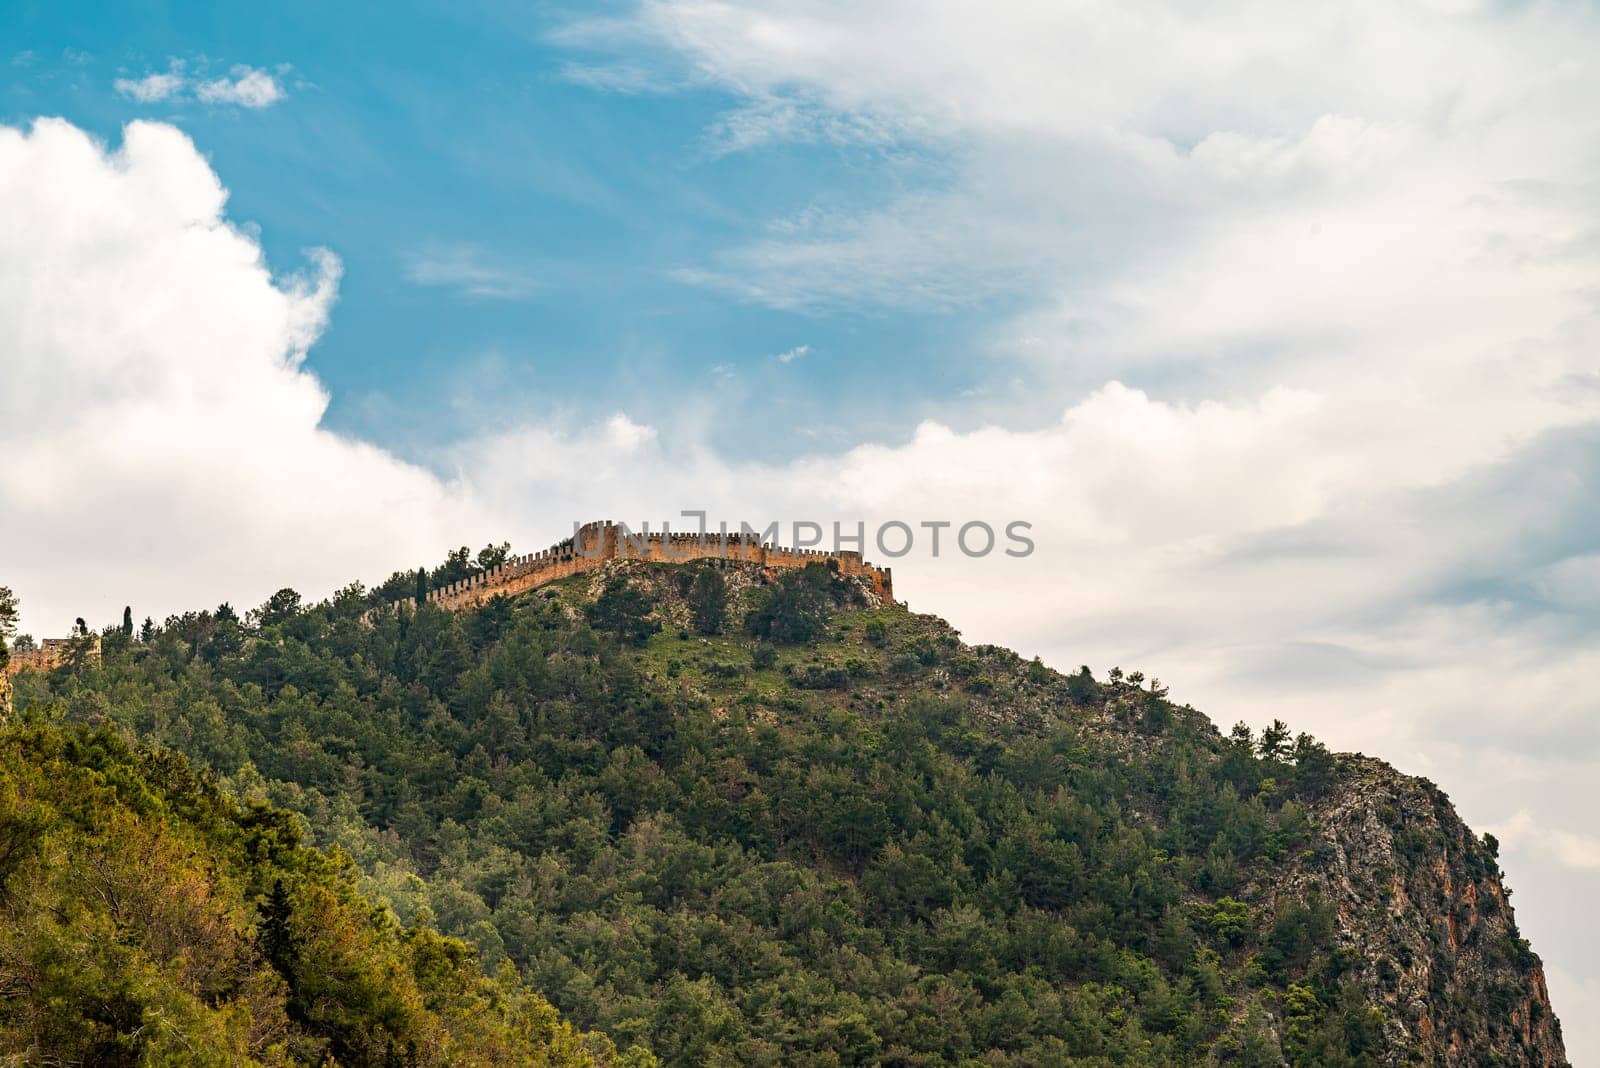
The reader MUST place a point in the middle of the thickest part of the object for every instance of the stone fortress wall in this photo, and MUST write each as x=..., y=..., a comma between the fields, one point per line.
x=596, y=544
x=50, y=653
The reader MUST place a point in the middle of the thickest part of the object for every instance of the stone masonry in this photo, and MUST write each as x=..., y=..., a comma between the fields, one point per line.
x=595, y=544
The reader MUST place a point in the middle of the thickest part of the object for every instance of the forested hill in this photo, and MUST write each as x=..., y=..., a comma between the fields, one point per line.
x=744, y=819
x=146, y=919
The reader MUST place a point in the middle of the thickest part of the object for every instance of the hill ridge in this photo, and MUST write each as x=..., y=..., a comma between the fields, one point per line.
x=595, y=544
x=739, y=814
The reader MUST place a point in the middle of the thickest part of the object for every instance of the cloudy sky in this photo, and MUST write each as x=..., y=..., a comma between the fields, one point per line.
x=1280, y=325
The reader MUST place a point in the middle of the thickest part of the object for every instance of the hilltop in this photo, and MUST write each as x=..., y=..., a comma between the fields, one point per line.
x=746, y=815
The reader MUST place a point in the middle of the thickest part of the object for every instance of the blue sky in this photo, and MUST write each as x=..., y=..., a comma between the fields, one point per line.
x=558, y=217
x=1277, y=323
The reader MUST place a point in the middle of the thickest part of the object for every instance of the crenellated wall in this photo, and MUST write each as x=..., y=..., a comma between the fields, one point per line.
x=605, y=541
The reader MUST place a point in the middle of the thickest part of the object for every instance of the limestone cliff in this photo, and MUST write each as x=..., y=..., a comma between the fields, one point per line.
x=1425, y=919
x=1422, y=919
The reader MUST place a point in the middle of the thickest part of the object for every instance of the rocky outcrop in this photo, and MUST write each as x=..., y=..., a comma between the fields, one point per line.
x=1425, y=923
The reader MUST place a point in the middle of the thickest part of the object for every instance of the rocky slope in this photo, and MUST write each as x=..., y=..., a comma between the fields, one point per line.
x=1423, y=913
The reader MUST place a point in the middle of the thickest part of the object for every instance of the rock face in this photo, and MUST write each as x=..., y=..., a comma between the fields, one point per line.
x=1425, y=918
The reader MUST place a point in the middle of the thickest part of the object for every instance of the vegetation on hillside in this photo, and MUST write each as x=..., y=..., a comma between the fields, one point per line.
x=145, y=918
x=750, y=822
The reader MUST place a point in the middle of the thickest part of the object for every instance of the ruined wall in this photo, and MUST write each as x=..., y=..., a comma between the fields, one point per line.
x=51, y=653
x=603, y=542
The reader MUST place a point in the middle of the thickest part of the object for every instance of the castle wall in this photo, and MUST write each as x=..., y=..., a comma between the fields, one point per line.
x=603, y=542
x=51, y=653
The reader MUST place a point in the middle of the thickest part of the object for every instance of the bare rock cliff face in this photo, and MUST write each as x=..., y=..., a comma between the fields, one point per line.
x=1424, y=917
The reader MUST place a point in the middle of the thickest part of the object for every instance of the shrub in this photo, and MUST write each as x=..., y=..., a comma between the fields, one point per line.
x=798, y=607
x=623, y=610
x=820, y=677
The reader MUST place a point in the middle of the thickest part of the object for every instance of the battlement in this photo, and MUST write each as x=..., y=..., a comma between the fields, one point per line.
x=595, y=544
x=51, y=653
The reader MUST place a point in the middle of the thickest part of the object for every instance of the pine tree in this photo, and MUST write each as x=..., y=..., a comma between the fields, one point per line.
x=708, y=601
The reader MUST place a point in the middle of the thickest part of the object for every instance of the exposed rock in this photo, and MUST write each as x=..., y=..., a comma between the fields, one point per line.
x=1422, y=911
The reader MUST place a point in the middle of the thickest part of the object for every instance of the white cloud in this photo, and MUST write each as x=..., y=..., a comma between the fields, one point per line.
x=153, y=88
x=791, y=355
x=1568, y=848
x=247, y=88
x=163, y=445
x=470, y=270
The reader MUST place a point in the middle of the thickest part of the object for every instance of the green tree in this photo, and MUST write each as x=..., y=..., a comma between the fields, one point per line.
x=798, y=607
x=280, y=608
x=1313, y=766
x=1081, y=687
x=623, y=610
x=457, y=565
x=708, y=600
x=226, y=637
x=1274, y=743
x=492, y=556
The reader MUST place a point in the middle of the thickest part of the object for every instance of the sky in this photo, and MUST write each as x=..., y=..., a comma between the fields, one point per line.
x=1278, y=325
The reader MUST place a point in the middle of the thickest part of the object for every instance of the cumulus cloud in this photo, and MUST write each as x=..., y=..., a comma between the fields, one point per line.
x=162, y=440
x=245, y=87
x=791, y=355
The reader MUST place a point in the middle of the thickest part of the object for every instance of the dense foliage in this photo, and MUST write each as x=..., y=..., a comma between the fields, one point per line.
x=145, y=918
x=753, y=823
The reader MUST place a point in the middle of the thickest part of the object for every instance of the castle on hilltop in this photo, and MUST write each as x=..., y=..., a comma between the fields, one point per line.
x=596, y=544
